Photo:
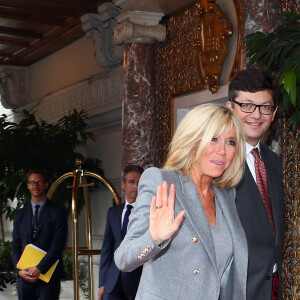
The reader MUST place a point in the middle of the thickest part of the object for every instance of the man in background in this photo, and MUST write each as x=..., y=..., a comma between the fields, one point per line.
x=259, y=199
x=43, y=224
x=114, y=284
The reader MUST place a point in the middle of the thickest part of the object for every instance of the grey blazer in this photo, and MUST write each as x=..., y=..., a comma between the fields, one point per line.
x=183, y=267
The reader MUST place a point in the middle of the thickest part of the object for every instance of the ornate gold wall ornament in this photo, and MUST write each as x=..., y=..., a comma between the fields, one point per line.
x=291, y=245
x=212, y=33
x=177, y=66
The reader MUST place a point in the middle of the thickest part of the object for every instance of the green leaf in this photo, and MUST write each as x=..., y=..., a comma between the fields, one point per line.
x=254, y=37
x=289, y=82
x=297, y=72
x=287, y=20
x=270, y=60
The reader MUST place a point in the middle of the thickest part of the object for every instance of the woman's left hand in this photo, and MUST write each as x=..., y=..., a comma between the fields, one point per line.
x=162, y=222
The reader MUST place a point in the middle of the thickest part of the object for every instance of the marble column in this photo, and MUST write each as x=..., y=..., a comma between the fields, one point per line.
x=139, y=31
x=260, y=15
x=263, y=15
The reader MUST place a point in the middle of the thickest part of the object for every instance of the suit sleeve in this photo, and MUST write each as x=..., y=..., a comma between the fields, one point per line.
x=138, y=246
x=106, y=251
x=58, y=240
x=16, y=246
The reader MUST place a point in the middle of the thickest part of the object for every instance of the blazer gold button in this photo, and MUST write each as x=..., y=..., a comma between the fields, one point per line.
x=196, y=272
x=195, y=240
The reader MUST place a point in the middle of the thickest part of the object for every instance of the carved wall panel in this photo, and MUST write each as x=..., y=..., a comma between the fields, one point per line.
x=191, y=59
x=291, y=5
x=291, y=179
x=291, y=245
x=96, y=95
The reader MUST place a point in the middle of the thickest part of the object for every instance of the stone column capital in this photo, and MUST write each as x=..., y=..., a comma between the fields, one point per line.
x=139, y=27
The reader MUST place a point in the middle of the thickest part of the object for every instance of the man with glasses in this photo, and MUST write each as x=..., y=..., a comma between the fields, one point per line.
x=43, y=224
x=259, y=199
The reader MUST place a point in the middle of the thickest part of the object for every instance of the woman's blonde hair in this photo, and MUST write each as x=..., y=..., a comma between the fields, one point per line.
x=194, y=134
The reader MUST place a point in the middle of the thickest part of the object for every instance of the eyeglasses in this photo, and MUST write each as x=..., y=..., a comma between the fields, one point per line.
x=33, y=183
x=249, y=108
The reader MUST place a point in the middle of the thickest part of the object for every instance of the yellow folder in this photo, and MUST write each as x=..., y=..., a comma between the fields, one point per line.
x=31, y=257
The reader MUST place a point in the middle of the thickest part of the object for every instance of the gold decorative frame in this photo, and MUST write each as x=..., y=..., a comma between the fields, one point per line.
x=177, y=60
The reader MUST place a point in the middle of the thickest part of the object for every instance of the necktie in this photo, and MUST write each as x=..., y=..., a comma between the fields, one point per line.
x=126, y=219
x=36, y=215
x=262, y=184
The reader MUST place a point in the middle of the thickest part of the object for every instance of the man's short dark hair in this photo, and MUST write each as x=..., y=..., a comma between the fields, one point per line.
x=131, y=168
x=253, y=80
x=38, y=171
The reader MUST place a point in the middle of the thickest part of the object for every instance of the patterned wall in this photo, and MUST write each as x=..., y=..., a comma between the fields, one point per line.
x=291, y=163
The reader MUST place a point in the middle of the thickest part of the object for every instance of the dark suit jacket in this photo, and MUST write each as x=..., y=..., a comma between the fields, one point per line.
x=51, y=235
x=109, y=273
x=264, y=250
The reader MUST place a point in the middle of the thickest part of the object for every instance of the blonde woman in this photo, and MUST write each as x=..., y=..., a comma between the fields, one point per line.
x=190, y=240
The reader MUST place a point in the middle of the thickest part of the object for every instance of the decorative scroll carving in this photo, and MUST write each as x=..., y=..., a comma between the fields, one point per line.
x=212, y=33
x=101, y=28
x=14, y=83
x=177, y=65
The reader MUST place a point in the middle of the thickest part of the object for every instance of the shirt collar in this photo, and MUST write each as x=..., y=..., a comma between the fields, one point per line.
x=41, y=204
x=250, y=147
x=126, y=202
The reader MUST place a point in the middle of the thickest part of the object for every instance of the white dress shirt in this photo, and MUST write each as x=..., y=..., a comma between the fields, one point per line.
x=250, y=158
x=124, y=210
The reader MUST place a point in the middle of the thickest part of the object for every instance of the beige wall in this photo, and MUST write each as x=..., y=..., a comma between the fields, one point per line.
x=63, y=68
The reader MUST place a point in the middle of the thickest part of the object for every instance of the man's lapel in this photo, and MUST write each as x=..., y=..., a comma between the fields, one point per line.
x=272, y=182
x=43, y=217
x=256, y=198
x=26, y=228
x=117, y=222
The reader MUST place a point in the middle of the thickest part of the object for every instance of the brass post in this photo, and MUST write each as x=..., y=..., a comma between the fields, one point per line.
x=88, y=235
x=75, y=234
x=79, y=180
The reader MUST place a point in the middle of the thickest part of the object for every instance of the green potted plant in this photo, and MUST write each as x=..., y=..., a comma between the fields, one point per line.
x=68, y=274
x=7, y=274
x=279, y=52
x=37, y=144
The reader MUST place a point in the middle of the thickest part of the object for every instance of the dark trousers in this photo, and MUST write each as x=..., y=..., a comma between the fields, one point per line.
x=38, y=290
x=118, y=293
